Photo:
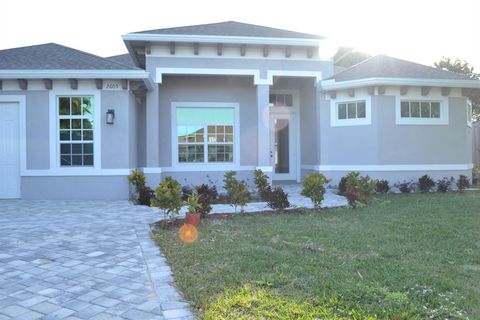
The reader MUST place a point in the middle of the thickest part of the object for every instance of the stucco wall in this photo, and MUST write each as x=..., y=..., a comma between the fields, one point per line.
x=209, y=89
x=37, y=129
x=423, y=144
x=326, y=67
x=115, y=137
x=395, y=177
x=70, y=188
x=118, y=148
x=384, y=142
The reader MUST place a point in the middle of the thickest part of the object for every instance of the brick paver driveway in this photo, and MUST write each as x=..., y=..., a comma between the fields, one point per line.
x=83, y=260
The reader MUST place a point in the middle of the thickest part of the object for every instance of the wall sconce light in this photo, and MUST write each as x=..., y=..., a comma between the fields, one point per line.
x=110, y=116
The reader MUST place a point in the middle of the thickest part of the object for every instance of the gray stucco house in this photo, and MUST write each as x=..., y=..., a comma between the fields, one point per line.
x=192, y=102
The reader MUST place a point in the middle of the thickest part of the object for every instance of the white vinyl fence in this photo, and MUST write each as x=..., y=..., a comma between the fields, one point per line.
x=476, y=142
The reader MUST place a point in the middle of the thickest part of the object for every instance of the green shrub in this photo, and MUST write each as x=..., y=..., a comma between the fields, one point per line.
x=207, y=195
x=237, y=191
x=260, y=180
x=145, y=196
x=425, y=183
x=168, y=197
x=443, y=185
x=342, y=187
x=314, y=187
x=475, y=174
x=143, y=193
x=358, y=188
x=405, y=187
x=382, y=186
x=137, y=179
x=462, y=183
x=278, y=199
x=193, y=203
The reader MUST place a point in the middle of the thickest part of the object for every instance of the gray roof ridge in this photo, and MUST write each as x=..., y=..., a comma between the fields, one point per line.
x=403, y=60
x=355, y=65
x=122, y=64
x=313, y=36
x=95, y=56
x=74, y=49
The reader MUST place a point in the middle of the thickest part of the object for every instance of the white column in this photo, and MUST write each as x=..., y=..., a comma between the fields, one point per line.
x=263, y=116
x=152, y=128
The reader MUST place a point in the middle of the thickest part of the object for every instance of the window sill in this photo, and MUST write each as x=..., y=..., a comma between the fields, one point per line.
x=351, y=122
x=422, y=122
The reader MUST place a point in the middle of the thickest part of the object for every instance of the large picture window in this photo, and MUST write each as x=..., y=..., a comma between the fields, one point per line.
x=75, y=130
x=205, y=135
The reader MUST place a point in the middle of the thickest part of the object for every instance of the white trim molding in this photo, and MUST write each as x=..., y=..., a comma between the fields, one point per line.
x=294, y=73
x=255, y=73
x=444, y=110
x=390, y=167
x=79, y=74
x=207, y=168
x=469, y=113
x=331, y=84
x=149, y=37
x=267, y=169
x=21, y=100
x=151, y=170
x=209, y=71
x=335, y=122
x=73, y=172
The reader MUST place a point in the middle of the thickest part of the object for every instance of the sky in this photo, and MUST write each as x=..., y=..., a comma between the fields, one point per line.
x=418, y=30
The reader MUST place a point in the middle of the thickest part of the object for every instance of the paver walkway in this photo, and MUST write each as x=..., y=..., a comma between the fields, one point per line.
x=83, y=260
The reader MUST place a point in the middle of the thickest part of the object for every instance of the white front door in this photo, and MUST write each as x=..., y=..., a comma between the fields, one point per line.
x=9, y=150
x=283, y=146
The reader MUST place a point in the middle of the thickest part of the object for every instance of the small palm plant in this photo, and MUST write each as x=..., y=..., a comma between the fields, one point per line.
x=193, y=203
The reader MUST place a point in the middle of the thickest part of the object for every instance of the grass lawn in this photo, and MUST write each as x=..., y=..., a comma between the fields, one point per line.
x=411, y=256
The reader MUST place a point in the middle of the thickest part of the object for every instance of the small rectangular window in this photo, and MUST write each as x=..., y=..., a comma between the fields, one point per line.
x=342, y=111
x=425, y=110
x=435, y=109
x=361, y=110
x=415, y=109
x=351, y=110
x=75, y=130
x=405, y=109
x=420, y=109
x=281, y=100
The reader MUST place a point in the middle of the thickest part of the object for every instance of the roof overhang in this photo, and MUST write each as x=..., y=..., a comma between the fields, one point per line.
x=331, y=84
x=79, y=74
x=148, y=37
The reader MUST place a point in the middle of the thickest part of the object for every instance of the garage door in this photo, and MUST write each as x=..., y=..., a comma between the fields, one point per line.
x=9, y=150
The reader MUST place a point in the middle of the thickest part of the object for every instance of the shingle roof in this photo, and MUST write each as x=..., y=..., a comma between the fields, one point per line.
x=383, y=66
x=52, y=56
x=125, y=59
x=232, y=29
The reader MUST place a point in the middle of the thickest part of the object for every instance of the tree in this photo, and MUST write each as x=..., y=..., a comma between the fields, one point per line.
x=458, y=66
x=464, y=68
